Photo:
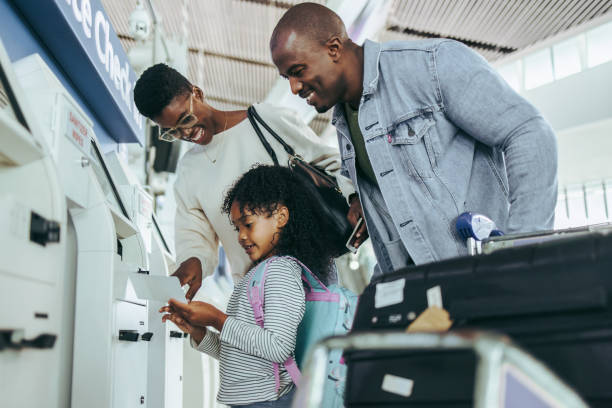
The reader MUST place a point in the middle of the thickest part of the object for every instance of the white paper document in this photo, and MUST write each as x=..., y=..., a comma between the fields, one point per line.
x=159, y=288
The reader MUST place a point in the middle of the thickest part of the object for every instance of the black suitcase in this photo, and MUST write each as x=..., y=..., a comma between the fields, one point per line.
x=552, y=299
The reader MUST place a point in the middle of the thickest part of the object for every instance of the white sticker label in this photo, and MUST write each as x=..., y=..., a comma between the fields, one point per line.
x=389, y=293
x=434, y=297
x=397, y=385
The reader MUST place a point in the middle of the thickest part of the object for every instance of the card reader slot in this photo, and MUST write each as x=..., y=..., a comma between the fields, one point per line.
x=176, y=334
x=128, y=335
x=13, y=339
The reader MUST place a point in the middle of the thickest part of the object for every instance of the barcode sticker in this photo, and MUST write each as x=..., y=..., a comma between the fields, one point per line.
x=397, y=385
x=389, y=293
x=434, y=297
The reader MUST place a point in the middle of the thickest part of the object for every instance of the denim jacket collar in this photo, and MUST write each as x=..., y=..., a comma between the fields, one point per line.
x=371, y=56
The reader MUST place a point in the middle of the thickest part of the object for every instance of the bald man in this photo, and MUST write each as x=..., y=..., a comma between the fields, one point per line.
x=427, y=130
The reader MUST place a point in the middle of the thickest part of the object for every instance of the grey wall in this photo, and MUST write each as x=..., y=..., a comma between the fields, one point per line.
x=578, y=99
x=585, y=153
x=579, y=108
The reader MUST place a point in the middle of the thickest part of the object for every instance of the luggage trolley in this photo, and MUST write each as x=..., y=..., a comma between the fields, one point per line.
x=482, y=236
x=496, y=243
x=505, y=375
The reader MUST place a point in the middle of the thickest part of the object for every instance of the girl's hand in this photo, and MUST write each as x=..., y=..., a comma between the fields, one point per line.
x=197, y=333
x=181, y=323
x=197, y=313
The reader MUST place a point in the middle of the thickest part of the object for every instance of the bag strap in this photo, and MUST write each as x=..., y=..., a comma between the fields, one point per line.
x=262, y=138
x=290, y=150
x=255, y=293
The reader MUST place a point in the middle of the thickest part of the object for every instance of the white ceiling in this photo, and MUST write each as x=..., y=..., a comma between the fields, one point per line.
x=228, y=39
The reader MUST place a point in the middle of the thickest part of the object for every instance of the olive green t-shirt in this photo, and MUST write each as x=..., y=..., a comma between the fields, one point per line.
x=361, y=155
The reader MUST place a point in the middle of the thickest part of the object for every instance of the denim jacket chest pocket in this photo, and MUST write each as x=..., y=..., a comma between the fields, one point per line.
x=347, y=153
x=346, y=150
x=412, y=142
x=347, y=156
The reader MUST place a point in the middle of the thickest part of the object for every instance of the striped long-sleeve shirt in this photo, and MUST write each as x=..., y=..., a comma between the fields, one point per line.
x=245, y=350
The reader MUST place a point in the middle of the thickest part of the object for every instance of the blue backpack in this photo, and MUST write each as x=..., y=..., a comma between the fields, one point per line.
x=329, y=311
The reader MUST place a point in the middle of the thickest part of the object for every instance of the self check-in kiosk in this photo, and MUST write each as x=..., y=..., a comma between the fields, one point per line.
x=34, y=338
x=165, y=377
x=111, y=336
x=165, y=357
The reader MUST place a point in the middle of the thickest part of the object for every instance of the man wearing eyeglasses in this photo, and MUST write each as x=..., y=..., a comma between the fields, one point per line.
x=226, y=146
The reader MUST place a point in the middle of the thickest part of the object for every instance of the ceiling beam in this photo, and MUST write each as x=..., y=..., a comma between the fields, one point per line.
x=470, y=43
x=278, y=4
x=213, y=54
x=230, y=57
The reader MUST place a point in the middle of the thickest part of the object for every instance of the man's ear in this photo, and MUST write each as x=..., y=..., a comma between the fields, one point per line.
x=198, y=92
x=282, y=216
x=334, y=48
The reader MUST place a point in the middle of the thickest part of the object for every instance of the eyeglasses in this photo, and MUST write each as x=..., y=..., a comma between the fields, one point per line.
x=189, y=121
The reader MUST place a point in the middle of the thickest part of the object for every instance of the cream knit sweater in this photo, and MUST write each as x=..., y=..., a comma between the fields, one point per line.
x=201, y=185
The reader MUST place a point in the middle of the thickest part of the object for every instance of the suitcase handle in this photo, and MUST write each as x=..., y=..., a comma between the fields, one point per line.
x=488, y=307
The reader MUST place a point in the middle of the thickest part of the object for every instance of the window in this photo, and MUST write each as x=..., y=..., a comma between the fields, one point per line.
x=599, y=45
x=561, y=60
x=576, y=206
x=561, y=215
x=567, y=57
x=588, y=204
x=595, y=202
x=538, y=69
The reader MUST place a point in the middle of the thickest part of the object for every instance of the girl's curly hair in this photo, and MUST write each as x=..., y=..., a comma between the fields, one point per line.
x=261, y=190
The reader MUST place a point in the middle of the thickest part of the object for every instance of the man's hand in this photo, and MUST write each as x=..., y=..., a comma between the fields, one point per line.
x=196, y=313
x=355, y=212
x=190, y=273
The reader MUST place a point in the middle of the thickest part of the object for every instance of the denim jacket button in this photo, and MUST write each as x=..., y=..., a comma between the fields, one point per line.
x=348, y=147
x=389, y=138
x=410, y=132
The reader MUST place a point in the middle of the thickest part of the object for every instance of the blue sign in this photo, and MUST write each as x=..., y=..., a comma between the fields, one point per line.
x=81, y=38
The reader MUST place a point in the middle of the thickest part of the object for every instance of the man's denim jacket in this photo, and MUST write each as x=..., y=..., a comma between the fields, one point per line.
x=445, y=134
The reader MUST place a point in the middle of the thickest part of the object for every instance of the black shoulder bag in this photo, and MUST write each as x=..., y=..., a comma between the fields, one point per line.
x=321, y=186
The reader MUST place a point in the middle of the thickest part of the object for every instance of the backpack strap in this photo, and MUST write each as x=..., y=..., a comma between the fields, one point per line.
x=255, y=294
x=318, y=291
x=293, y=370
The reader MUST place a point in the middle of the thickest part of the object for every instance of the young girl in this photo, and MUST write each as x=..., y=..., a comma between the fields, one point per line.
x=273, y=217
